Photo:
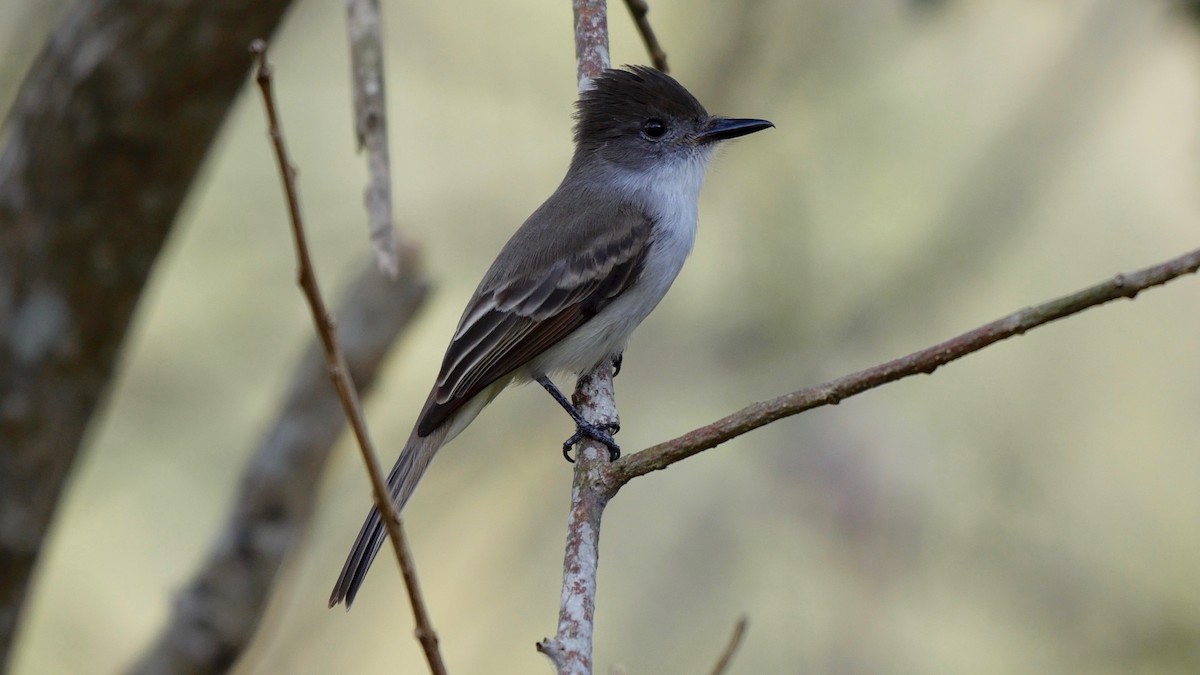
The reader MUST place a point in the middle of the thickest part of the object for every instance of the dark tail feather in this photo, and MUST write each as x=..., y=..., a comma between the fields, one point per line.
x=410, y=466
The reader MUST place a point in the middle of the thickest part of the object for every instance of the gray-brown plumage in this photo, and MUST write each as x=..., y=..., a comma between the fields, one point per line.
x=580, y=274
x=517, y=314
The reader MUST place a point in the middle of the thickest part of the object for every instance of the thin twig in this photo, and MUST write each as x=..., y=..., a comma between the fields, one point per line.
x=341, y=375
x=638, y=9
x=924, y=361
x=370, y=122
x=597, y=481
x=216, y=615
x=735, y=641
x=571, y=647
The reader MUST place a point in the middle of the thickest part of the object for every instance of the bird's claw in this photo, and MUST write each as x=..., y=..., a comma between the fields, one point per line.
x=616, y=363
x=600, y=433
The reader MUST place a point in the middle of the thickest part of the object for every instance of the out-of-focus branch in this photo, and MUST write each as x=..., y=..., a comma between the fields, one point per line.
x=925, y=361
x=639, y=10
x=370, y=122
x=341, y=375
x=108, y=131
x=571, y=647
x=735, y=641
x=994, y=196
x=216, y=616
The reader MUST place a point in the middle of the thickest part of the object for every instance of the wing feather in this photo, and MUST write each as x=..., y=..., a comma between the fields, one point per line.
x=508, y=324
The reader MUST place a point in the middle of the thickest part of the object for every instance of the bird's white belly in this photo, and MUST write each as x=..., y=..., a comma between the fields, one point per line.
x=669, y=194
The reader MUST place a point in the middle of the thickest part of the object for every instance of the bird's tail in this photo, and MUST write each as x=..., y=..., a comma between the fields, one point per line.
x=410, y=466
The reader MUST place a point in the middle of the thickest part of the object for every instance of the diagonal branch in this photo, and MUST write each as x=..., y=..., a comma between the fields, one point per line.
x=597, y=481
x=735, y=641
x=924, y=361
x=215, y=617
x=639, y=10
x=341, y=375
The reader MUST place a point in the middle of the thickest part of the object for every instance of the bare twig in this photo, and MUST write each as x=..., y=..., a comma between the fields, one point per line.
x=925, y=361
x=215, y=617
x=597, y=481
x=341, y=376
x=735, y=641
x=370, y=122
x=571, y=647
x=638, y=9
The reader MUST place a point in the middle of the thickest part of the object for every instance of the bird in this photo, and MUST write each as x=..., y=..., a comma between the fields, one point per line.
x=574, y=281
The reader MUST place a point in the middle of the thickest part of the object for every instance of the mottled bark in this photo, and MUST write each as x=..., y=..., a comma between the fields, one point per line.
x=570, y=650
x=107, y=133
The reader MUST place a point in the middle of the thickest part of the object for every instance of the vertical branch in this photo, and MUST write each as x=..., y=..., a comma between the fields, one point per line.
x=370, y=121
x=571, y=648
x=591, y=40
x=338, y=372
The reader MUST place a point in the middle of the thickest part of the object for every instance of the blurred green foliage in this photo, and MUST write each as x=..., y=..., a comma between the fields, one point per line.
x=1033, y=508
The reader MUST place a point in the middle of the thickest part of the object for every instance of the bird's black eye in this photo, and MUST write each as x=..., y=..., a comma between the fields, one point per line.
x=654, y=128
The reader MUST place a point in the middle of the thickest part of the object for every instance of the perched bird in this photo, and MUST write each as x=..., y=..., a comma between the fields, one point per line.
x=580, y=274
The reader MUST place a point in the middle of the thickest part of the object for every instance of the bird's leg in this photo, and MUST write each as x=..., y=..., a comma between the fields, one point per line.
x=617, y=360
x=583, y=428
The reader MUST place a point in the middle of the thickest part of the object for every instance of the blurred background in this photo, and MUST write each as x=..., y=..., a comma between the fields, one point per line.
x=1033, y=508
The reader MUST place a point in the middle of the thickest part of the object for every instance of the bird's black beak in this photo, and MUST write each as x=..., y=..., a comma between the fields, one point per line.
x=724, y=128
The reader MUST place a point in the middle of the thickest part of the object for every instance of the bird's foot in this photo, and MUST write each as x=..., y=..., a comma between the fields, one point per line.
x=602, y=433
x=616, y=363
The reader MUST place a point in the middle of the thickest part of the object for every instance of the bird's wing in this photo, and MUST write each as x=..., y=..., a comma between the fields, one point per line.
x=508, y=323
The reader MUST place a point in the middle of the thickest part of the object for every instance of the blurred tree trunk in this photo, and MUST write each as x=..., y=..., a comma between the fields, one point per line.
x=107, y=133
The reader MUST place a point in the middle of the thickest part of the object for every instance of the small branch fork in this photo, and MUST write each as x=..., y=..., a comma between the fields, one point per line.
x=571, y=647
x=924, y=361
x=340, y=374
x=597, y=481
x=601, y=481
